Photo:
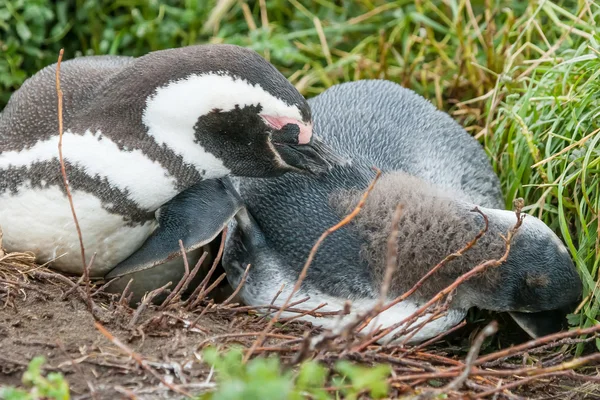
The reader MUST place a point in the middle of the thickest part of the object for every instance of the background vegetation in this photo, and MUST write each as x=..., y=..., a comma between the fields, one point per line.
x=521, y=76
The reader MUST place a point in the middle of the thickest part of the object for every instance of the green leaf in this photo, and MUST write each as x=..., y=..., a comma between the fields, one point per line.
x=23, y=31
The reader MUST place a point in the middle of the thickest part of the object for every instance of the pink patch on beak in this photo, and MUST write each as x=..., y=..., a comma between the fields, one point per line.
x=306, y=130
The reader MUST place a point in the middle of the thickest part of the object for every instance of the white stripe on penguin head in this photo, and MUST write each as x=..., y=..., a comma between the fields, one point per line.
x=173, y=110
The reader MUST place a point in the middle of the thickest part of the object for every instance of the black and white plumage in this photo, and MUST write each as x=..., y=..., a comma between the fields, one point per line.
x=438, y=173
x=139, y=132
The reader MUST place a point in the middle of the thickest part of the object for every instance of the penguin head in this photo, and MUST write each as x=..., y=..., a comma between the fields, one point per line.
x=226, y=110
x=537, y=284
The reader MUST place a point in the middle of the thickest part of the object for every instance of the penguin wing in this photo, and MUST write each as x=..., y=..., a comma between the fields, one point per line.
x=195, y=216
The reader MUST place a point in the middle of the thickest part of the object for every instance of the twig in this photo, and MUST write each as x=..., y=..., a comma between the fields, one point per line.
x=243, y=334
x=203, y=294
x=186, y=274
x=307, y=312
x=124, y=294
x=274, y=300
x=59, y=93
x=343, y=222
x=144, y=304
x=446, y=260
x=457, y=383
x=103, y=287
x=77, y=367
x=459, y=281
x=515, y=350
x=194, y=298
x=138, y=358
x=438, y=337
x=238, y=288
x=204, y=311
x=185, y=281
x=517, y=383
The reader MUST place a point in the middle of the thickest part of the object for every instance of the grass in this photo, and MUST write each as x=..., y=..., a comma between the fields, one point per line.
x=521, y=76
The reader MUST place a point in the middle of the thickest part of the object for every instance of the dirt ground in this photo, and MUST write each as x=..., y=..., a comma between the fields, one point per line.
x=39, y=316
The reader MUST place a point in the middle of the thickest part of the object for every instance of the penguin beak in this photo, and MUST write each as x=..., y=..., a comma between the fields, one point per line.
x=314, y=158
x=299, y=148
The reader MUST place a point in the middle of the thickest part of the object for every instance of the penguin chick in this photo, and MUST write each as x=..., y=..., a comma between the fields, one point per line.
x=439, y=174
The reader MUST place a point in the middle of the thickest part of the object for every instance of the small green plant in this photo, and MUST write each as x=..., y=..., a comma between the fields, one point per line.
x=264, y=378
x=363, y=379
x=53, y=387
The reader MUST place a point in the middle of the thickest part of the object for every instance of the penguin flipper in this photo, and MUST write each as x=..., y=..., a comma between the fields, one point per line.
x=195, y=216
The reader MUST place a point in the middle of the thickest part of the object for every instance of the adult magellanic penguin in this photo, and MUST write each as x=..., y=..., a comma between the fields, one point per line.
x=438, y=173
x=139, y=134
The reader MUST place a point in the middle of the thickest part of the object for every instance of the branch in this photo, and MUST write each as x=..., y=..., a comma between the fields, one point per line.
x=63, y=171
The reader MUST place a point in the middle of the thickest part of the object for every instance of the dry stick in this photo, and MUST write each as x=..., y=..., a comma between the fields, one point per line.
x=273, y=301
x=205, y=293
x=238, y=288
x=460, y=280
x=186, y=280
x=145, y=301
x=517, y=383
x=185, y=321
x=259, y=341
x=78, y=368
x=457, y=383
x=81, y=279
x=86, y=275
x=204, y=311
x=103, y=287
x=410, y=331
x=446, y=260
x=402, y=361
x=515, y=350
x=139, y=359
x=289, y=309
x=124, y=294
x=186, y=274
x=436, y=338
x=527, y=371
x=123, y=390
x=243, y=334
x=307, y=312
x=193, y=300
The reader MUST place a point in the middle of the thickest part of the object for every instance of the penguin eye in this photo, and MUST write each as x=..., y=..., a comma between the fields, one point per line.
x=289, y=130
x=288, y=134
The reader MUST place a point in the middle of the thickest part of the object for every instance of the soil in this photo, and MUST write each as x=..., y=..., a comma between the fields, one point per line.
x=36, y=319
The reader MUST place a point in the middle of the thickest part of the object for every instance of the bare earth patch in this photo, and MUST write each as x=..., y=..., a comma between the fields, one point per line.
x=37, y=319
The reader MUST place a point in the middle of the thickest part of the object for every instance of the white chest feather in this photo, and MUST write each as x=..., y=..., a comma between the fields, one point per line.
x=40, y=220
